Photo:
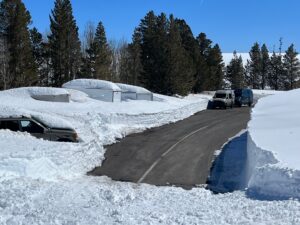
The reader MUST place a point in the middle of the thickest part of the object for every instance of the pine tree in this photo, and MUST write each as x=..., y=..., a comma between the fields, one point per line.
x=235, y=72
x=180, y=71
x=254, y=78
x=102, y=53
x=276, y=72
x=214, y=80
x=21, y=69
x=64, y=43
x=265, y=64
x=148, y=57
x=153, y=33
x=131, y=66
x=190, y=45
x=38, y=52
x=202, y=74
x=292, y=67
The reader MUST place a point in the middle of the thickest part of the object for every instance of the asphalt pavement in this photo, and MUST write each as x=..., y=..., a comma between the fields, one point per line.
x=179, y=154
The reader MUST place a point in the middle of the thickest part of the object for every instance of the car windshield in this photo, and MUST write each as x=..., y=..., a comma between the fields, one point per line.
x=220, y=95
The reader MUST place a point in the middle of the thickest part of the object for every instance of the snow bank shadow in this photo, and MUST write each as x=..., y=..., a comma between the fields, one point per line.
x=228, y=172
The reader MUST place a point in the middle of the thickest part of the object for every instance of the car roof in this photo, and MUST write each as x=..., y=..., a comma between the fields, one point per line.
x=15, y=118
x=224, y=91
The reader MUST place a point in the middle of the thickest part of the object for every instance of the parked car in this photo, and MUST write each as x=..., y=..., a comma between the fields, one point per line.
x=38, y=129
x=223, y=99
x=243, y=97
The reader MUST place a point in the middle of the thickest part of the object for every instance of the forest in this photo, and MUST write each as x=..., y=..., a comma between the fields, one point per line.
x=163, y=56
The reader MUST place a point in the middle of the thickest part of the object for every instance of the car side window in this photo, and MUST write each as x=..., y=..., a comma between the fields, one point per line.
x=2, y=125
x=31, y=127
x=230, y=96
x=12, y=125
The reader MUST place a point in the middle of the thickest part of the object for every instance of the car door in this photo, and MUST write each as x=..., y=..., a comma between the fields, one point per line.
x=33, y=128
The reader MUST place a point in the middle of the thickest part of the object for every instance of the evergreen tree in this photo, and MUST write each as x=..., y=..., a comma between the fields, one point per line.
x=235, y=72
x=21, y=69
x=102, y=54
x=131, y=66
x=292, y=67
x=202, y=74
x=191, y=47
x=147, y=34
x=265, y=64
x=255, y=65
x=180, y=71
x=276, y=72
x=153, y=32
x=38, y=52
x=64, y=44
x=214, y=80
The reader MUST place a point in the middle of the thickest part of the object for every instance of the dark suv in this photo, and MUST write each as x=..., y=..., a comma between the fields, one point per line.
x=38, y=129
x=243, y=97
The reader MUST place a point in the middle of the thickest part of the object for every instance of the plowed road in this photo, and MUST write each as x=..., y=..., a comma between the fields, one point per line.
x=177, y=154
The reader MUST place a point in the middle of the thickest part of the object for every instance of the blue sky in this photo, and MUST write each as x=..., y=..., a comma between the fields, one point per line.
x=234, y=24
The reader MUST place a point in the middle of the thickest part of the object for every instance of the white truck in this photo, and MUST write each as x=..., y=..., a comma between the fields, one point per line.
x=223, y=99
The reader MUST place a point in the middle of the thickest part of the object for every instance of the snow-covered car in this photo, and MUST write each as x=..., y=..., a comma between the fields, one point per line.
x=223, y=99
x=38, y=129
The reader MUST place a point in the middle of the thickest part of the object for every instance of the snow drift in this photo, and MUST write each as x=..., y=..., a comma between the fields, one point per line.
x=273, y=147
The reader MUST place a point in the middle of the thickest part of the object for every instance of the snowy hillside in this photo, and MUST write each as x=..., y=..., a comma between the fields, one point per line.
x=245, y=56
x=43, y=182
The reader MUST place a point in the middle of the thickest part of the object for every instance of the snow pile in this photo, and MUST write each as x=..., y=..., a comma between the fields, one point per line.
x=92, y=83
x=273, y=146
x=132, y=88
x=97, y=124
x=98, y=200
x=43, y=182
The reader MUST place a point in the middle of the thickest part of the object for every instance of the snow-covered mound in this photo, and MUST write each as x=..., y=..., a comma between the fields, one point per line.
x=132, y=88
x=43, y=182
x=92, y=83
x=274, y=147
x=97, y=124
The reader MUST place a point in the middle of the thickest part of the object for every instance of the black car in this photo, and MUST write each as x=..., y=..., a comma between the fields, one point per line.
x=38, y=129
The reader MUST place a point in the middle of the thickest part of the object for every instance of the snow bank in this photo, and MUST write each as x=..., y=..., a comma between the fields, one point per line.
x=97, y=124
x=43, y=182
x=132, y=88
x=92, y=83
x=273, y=146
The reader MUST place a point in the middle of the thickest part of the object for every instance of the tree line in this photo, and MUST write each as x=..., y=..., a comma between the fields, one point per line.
x=276, y=70
x=164, y=56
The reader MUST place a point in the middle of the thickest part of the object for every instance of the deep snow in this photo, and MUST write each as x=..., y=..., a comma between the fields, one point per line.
x=273, y=146
x=43, y=182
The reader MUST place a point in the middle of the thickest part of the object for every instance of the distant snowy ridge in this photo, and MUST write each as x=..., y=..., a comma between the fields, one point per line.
x=227, y=57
